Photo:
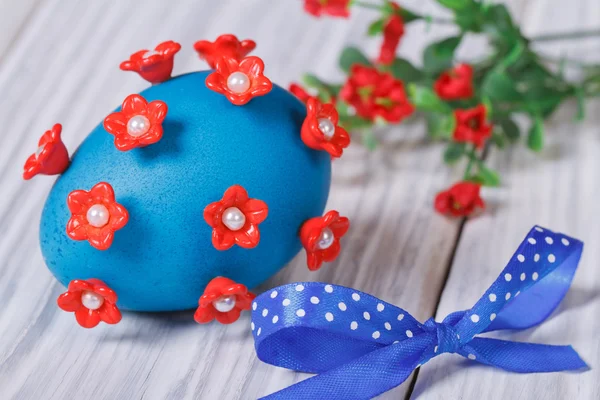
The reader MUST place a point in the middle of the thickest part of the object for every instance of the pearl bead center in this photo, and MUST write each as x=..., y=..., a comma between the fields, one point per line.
x=326, y=239
x=234, y=219
x=326, y=127
x=224, y=303
x=91, y=300
x=98, y=215
x=238, y=82
x=138, y=125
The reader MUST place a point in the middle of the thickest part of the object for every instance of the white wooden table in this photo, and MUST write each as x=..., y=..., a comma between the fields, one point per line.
x=59, y=63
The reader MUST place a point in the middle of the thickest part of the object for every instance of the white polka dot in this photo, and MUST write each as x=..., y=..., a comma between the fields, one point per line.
x=252, y=325
x=537, y=228
x=366, y=315
x=458, y=336
x=353, y=325
x=376, y=335
x=532, y=240
x=342, y=306
x=254, y=305
x=329, y=288
x=475, y=318
x=521, y=257
x=299, y=288
x=409, y=333
x=355, y=296
x=492, y=297
x=471, y=356
x=380, y=307
x=274, y=294
x=286, y=302
x=565, y=241
x=435, y=349
x=396, y=341
x=536, y=258
x=549, y=240
x=492, y=316
x=523, y=276
x=400, y=317
x=551, y=258
x=258, y=331
x=329, y=317
x=265, y=312
x=518, y=293
x=301, y=313
x=388, y=326
x=507, y=277
x=314, y=300
x=275, y=319
x=507, y=296
x=535, y=276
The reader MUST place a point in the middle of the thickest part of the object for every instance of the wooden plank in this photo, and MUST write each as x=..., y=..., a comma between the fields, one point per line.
x=557, y=189
x=14, y=16
x=65, y=69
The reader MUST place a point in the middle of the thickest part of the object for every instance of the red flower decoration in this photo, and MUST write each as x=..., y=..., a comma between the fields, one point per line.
x=376, y=94
x=321, y=236
x=51, y=157
x=300, y=93
x=239, y=81
x=91, y=301
x=334, y=8
x=455, y=84
x=95, y=215
x=235, y=219
x=460, y=200
x=156, y=65
x=223, y=300
x=138, y=124
x=393, y=31
x=320, y=130
x=227, y=46
x=471, y=126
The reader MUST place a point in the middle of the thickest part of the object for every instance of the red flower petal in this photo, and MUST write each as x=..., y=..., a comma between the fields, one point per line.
x=102, y=239
x=78, y=201
x=134, y=104
x=248, y=238
x=256, y=211
x=223, y=239
x=87, y=318
x=212, y=213
x=204, y=315
x=80, y=285
x=157, y=111
x=109, y=313
x=102, y=192
x=69, y=301
x=76, y=228
x=228, y=317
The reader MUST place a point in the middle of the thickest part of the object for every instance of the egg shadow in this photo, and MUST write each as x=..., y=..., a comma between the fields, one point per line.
x=168, y=146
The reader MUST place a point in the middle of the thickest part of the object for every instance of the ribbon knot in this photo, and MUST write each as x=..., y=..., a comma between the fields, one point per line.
x=447, y=338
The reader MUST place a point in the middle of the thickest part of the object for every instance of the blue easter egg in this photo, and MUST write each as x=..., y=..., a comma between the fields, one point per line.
x=163, y=258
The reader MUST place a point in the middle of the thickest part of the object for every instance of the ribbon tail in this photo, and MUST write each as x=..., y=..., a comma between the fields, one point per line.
x=363, y=378
x=523, y=357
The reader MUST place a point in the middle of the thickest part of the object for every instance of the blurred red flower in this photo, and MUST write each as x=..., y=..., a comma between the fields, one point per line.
x=334, y=8
x=471, y=126
x=393, y=31
x=227, y=46
x=223, y=300
x=321, y=236
x=456, y=83
x=460, y=200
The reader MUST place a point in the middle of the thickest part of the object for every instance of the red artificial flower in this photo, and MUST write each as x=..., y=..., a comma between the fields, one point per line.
x=471, y=126
x=300, y=93
x=321, y=236
x=455, y=84
x=239, y=81
x=51, y=157
x=393, y=31
x=460, y=200
x=91, y=301
x=227, y=46
x=138, y=124
x=376, y=94
x=223, y=300
x=235, y=219
x=95, y=215
x=156, y=65
x=334, y=8
x=320, y=130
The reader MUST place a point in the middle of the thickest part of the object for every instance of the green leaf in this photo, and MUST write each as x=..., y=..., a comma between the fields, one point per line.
x=455, y=4
x=510, y=128
x=402, y=69
x=454, y=152
x=425, y=99
x=535, y=139
x=351, y=56
x=487, y=176
x=499, y=24
x=438, y=56
x=376, y=27
x=409, y=16
x=440, y=126
x=498, y=139
x=499, y=86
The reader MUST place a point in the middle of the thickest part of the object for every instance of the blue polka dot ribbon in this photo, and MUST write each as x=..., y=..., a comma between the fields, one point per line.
x=361, y=346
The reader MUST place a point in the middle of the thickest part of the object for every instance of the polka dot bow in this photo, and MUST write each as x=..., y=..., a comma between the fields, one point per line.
x=340, y=333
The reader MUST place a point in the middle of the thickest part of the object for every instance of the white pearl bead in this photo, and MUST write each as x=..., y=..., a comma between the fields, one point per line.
x=238, y=82
x=98, y=215
x=234, y=219
x=91, y=300
x=326, y=239
x=39, y=151
x=224, y=303
x=138, y=125
x=326, y=127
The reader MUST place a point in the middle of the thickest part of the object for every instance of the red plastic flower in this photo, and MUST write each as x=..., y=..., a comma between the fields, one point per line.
x=239, y=81
x=95, y=215
x=138, y=124
x=334, y=8
x=51, y=157
x=393, y=31
x=300, y=93
x=455, y=84
x=156, y=65
x=460, y=200
x=227, y=46
x=471, y=126
x=320, y=130
x=91, y=301
x=223, y=300
x=376, y=94
x=235, y=219
x=321, y=236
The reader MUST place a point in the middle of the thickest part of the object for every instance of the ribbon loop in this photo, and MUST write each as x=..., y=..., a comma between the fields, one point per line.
x=447, y=338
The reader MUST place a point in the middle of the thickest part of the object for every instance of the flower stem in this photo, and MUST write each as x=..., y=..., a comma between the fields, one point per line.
x=566, y=36
x=472, y=159
x=436, y=20
x=367, y=5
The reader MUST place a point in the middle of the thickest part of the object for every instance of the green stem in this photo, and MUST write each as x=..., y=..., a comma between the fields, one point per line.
x=367, y=5
x=566, y=36
x=436, y=20
x=472, y=159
